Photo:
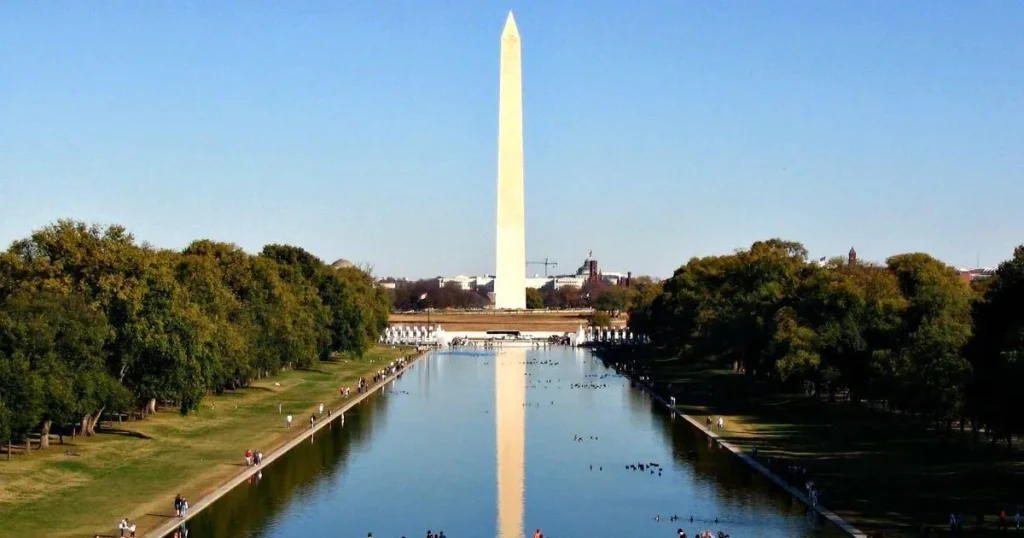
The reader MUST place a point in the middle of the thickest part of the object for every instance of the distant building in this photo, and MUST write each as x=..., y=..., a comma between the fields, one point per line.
x=969, y=275
x=588, y=272
x=464, y=282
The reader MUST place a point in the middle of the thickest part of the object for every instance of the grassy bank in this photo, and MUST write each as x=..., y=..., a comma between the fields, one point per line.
x=876, y=470
x=136, y=471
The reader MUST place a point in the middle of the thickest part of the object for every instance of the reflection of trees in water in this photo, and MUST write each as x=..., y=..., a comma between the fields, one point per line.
x=715, y=467
x=247, y=509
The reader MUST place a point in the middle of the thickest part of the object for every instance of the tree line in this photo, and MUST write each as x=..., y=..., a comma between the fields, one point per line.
x=94, y=323
x=907, y=336
x=429, y=293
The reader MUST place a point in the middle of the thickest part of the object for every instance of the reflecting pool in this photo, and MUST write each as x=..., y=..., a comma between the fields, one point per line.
x=479, y=443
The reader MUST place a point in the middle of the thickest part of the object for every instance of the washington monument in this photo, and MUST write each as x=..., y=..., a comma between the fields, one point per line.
x=510, y=266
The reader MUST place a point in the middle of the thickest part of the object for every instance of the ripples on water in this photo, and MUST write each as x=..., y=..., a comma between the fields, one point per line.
x=481, y=443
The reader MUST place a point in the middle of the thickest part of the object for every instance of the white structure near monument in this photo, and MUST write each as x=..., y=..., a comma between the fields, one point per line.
x=510, y=244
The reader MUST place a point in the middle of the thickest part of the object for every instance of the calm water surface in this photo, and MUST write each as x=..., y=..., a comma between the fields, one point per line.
x=480, y=443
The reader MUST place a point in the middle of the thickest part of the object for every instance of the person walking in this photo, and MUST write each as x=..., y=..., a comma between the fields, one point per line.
x=288, y=422
x=177, y=506
x=321, y=408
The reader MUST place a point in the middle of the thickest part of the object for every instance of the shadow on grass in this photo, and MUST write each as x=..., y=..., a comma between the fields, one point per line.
x=125, y=433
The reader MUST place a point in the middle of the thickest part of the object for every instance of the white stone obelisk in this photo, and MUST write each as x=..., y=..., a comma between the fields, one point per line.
x=510, y=267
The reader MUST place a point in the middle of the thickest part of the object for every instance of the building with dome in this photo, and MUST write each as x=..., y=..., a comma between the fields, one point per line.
x=342, y=263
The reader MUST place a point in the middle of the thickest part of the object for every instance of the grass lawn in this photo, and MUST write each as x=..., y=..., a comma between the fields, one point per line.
x=136, y=472
x=876, y=470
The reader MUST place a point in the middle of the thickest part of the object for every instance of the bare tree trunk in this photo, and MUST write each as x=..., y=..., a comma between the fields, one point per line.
x=150, y=407
x=28, y=445
x=10, y=450
x=93, y=421
x=84, y=426
x=44, y=435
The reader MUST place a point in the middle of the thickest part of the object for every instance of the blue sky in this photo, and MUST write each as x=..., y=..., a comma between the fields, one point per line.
x=655, y=130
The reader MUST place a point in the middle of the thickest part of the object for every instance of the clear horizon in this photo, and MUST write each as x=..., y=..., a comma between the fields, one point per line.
x=653, y=133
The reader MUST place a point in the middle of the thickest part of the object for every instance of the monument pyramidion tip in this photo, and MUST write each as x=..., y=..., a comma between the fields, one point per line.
x=510, y=27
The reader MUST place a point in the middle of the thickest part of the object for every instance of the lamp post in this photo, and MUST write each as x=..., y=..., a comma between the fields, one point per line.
x=423, y=300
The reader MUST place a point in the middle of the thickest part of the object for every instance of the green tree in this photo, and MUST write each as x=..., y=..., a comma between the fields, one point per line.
x=534, y=299
x=600, y=318
x=996, y=352
x=225, y=315
x=104, y=266
x=936, y=326
x=612, y=300
x=57, y=343
x=299, y=270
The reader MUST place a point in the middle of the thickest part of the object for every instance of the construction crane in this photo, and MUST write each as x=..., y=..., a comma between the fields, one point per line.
x=546, y=264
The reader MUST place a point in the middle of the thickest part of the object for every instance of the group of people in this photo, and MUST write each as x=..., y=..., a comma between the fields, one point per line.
x=956, y=522
x=792, y=473
x=720, y=423
x=1002, y=524
x=180, y=506
x=383, y=373
x=703, y=534
x=429, y=535
x=126, y=526
x=253, y=457
x=378, y=376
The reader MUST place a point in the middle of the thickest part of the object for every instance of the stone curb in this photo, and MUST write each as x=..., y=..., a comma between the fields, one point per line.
x=206, y=501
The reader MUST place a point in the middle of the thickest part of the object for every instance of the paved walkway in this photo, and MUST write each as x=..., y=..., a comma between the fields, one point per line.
x=205, y=502
x=796, y=493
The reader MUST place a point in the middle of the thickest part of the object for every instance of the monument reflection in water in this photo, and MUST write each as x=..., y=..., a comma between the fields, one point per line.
x=510, y=435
